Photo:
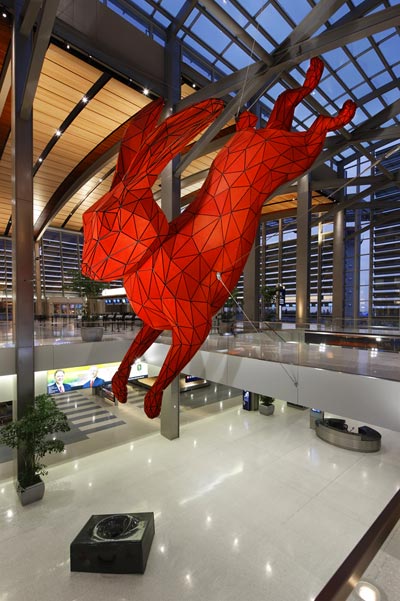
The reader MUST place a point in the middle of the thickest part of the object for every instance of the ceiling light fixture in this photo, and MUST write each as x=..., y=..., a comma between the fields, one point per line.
x=85, y=99
x=146, y=91
x=58, y=133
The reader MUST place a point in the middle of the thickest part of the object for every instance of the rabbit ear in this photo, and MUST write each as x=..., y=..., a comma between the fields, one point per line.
x=138, y=129
x=170, y=138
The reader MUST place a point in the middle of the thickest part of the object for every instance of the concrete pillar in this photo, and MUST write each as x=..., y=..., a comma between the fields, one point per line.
x=338, y=269
x=38, y=282
x=251, y=283
x=169, y=418
x=303, y=250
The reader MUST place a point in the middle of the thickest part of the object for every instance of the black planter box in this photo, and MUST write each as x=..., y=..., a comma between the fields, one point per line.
x=113, y=544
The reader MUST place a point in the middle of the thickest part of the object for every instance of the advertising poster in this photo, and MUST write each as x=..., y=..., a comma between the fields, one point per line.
x=88, y=376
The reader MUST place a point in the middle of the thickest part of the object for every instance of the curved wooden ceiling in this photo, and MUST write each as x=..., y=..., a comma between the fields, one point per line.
x=79, y=116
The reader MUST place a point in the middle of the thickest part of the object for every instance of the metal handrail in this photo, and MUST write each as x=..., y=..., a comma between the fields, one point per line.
x=346, y=577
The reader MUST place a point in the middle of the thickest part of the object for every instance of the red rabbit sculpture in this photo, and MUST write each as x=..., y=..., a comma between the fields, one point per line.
x=177, y=275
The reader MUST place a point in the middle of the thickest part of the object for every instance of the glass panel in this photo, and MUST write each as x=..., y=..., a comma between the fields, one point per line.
x=296, y=10
x=331, y=86
x=143, y=5
x=233, y=12
x=274, y=24
x=172, y=6
x=359, y=46
x=200, y=49
x=390, y=49
x=336, y=57
x=350, y=74
x=371, y=63
x=223, y=67
x=362, y=90
x=159, y=17
x=252, y=6
x=391, y=96
x=343, y=10
x=381, y=79
x=206, y=30
x=237, y=57
x=260, y=38
x=374, y=106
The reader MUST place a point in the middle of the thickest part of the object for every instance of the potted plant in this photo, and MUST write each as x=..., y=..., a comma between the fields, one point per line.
x=266, y=404
x=268, y=295
x=32, y=434
x=91, y=329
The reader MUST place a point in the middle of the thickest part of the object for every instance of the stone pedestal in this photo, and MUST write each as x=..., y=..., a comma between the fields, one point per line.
x=113, y=544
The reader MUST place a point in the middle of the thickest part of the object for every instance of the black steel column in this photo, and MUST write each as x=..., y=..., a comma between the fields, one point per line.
x=22, y=221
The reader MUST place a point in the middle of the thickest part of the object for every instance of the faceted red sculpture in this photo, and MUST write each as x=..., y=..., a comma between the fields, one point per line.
x=177, y=275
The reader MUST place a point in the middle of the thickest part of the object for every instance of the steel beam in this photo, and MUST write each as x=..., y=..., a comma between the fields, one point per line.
x=42, y=38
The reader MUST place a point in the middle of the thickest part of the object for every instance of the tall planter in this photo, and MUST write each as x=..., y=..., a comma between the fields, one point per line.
x=88, y=290
x=266, y=409
x=92, y=333
x=32, y=434
x=31, y=493
x=266, y=406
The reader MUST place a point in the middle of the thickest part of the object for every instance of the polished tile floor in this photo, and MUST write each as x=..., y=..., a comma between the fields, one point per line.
x=246, y=507
x=97, y=424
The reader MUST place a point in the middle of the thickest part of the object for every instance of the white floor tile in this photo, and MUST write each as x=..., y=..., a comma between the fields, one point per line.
x=246, y=507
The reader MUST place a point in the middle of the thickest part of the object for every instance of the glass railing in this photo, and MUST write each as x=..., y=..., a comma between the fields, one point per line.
x=374, y=353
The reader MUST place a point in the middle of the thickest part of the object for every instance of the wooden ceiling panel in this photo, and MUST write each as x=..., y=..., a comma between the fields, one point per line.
x=63, y=82
x=5, y=187
x=134, y=99
x=286, y=204
x=62, y=67
x=92, y=191
x=122, y=107
x=57, y=94
x=48, y=118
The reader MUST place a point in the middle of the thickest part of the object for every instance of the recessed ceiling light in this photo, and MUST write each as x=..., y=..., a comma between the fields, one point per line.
x=146, y=91
x=40, y=160
x=68, y=46
x=85, y=99
x=4, y=15
x=58, y=133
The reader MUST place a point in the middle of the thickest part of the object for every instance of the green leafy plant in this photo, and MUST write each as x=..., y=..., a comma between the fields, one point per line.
x=31, y=433
x=88, y=290
x=229, y=308
x=266, y=400
x=268, y=295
